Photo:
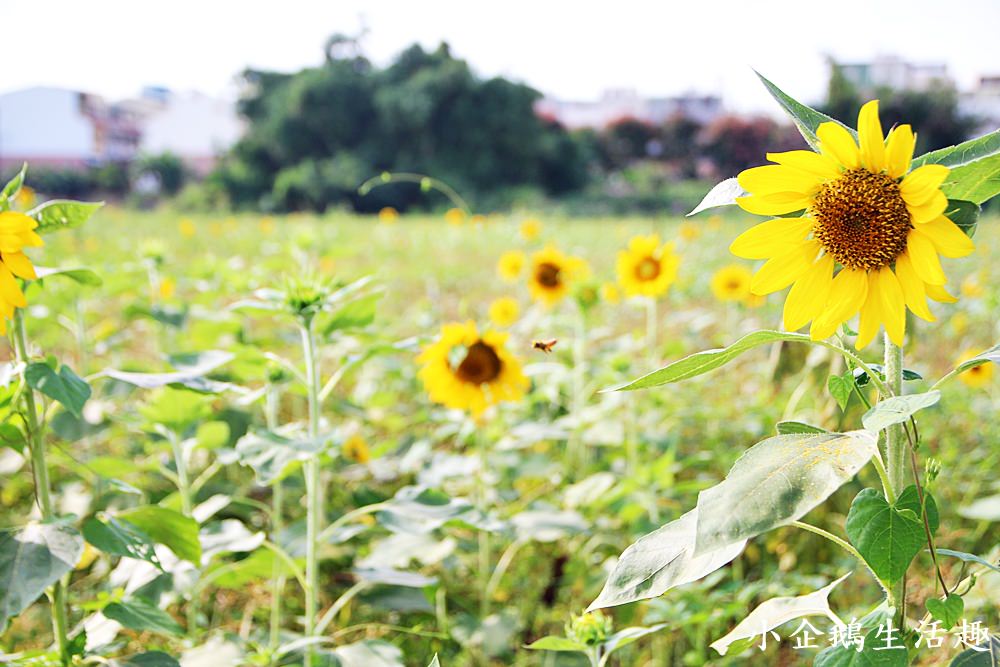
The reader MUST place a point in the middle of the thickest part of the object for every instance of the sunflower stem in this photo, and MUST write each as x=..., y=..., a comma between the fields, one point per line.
x=314, y=506
x=578, y=453
x=483, y=565
x=895, y=444
x=651, y=322
x=277, y=504
x=43, y=489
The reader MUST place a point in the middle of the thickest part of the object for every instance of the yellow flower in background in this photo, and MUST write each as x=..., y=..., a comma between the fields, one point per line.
x=551, y=274
x=215, y=229
x=610, y=293
x=356, y=449
x=454, y=216
x=754, y=300
x=971, y=289
x=715, y=222
x=187, y=228
x=25, y=197
x=327, y=264
x=388, y=215
x=267, y=225
x=959, y=323
x=16, y=233
x=468, y=371
x=976, y=377
x=647, y=268
x=510, y=265
x=689, y=231
x=477, y=219
x=230, y=224
x=864, y=213
x=504, y=311
x=531, y=229
x=732, y=283
x=167, y=288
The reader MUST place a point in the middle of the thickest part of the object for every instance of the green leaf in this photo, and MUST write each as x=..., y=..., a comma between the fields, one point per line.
x=965, y=153
x=980, y=656
x=258, y=566
x=140, y=614
x=212, y=435
x=777, y=611
x=841, y=387
x=191, y=373
x=703, y=362
x=965, y=214
x=33, y=558
x=793, y=427
x=909, y=499
x=117, y=537
x=626, y=636
x=897, y=409
x=11, y=436
x=12, y=187
x=806, y=119
x=660, y=561
x=271, y=454
x=990, y=355
x=369, y=653
x=66, y=387
x=887, y=539
x=176, y=408
x=355, y=315
x=969, y=558
x=78, y=275
x=873, y=653
x=723, y=194
x=949, y=611
x=62, y=214
x=862, y=380
x=776, y=482
x=169, y=528
x=434, y=661
x=975, y=168
x=151, y=659
x=553, y=643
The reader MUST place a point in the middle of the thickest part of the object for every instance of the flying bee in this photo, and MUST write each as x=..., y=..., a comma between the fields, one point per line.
x=544, y=345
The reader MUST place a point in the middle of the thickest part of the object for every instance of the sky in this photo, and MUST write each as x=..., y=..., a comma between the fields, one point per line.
x=570, y=50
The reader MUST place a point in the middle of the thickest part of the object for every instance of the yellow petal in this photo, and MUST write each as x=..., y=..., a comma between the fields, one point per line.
x=885, y=289
x=899, y=150
x=776, y=178
x=776, y=203
x=939, y=293
x=870, y=137
x=808, y=295
x=930, y=210
x=920, y=184
x=870, y=318
x=12, y=222
x=949, y=240
x=925, y=259
x=837, y=143
x=10, y=243
x=19, y=265
x=913, y=288
x=847, y=294
x=814, y=163
x=9, y=289
x=770, y=238
x=781, y=271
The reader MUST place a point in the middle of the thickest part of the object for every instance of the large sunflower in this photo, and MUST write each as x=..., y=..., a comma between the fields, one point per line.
x=868, y=239
x=551, y=274
x=16, y=232
x=647, y=268
x=468, y=371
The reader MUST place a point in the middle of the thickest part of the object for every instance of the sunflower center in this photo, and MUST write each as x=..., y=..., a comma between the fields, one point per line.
x=861, y=219
x=547, y=275
x=647, y=269
x=480, y=365
x=733, y=284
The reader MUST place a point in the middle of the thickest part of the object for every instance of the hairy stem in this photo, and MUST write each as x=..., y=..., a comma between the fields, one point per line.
x=314, y=507
x=277, y=523
x=895, y=446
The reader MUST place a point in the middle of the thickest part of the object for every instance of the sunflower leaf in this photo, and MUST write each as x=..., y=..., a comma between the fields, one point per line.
x=963, y=154
x=723, y=194
x=975, y=168
x=62, y=214
x=12, y=188
x=806, y=119
x=965, y=214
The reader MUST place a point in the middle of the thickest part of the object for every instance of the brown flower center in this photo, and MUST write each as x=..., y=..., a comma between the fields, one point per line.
x=547, y=275
x=647, y=269
x=480, y=365
x=861, y=219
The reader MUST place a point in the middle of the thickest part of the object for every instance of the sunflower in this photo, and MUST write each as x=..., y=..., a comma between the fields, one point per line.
x=531, y=229
x=647, y=268
x=689, y=231
x=865, y=212
x=551, y=274
x=16, y=232
x=510, y=265
x=187, y=228
x=610, y=293
x=356, y=449
x=468, y=371
x=732, y=283
x=388, y=215
x=504, y=311
x=976, y=377
x=971, y=288
x=454, y=216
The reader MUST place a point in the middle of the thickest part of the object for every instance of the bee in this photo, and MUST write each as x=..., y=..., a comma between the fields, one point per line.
x=544, y=345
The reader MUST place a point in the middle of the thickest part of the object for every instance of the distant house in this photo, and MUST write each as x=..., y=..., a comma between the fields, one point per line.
x=887, y=71
x=983, y=104
x=56, y=127
x=617, y=104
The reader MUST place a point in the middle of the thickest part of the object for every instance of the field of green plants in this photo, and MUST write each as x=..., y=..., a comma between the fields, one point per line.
x=255, y=412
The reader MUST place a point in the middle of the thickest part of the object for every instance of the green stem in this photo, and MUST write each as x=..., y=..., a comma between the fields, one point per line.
x=890, y=494
x=484, y=537
x=576, y=447
x=314, y=508
x=43, y=489
x=184, y=489
x=895, y=444
x=277, y=523
x=651, y=324
x=846, y=546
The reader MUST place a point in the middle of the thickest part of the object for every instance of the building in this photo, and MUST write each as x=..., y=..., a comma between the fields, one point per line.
x=889, y=71
x=617, y=104
x=983, y=104
x=59, y=128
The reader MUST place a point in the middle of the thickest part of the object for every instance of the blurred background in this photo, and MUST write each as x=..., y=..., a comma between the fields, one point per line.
x=630, y=108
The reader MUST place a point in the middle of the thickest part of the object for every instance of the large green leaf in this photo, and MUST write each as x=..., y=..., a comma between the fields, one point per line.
x=271, y=454
x=62, y=214
x=897, y=409
x=887, y=538
x=975, y=168
x=78, y=275
x=703, y=362
x=969, y=558
x=169, y=528
x=33, y=558
x=66, y=387
x=140, y=614
x=980, y=656
x=118, y=537
x=776, y=482
x=777, y=611
x=963, y=154
x=873, y=652
x=660, y=561
x=964, y=214
x=806, y=119
x=554, y=643
x=723, y=194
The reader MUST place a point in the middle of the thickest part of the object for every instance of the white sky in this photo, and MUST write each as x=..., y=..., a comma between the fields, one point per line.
x=569, y=49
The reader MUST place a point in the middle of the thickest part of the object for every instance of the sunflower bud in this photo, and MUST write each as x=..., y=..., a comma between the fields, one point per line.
x=591, y=629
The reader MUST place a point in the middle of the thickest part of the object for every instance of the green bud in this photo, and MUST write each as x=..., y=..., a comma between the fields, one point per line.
x=932, y=468
x=591, y=629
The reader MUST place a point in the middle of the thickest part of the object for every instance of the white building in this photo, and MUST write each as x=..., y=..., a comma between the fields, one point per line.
x=195, y=127
x=887, y=71
x=616, y=104
x=983, y=104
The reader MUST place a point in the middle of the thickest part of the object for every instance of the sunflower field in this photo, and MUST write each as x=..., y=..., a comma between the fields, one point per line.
x=764, y=434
